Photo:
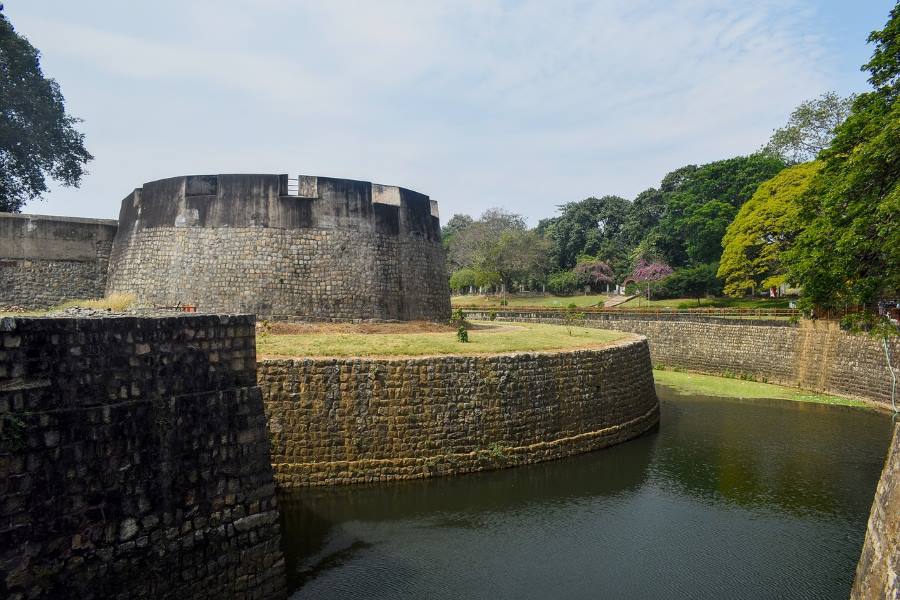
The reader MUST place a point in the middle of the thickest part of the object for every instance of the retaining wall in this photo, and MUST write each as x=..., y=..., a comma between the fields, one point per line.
x=134, y=461
x=878, y=571
x=813, y=355
x=329, y=249
x=356, y=420
x=47, y=260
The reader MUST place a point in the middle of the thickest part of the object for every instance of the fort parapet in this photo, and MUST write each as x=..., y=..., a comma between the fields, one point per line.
x=311, y=247
x=47, y=260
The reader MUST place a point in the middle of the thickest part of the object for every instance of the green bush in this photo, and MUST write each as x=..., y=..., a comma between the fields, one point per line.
x=563, y=282
x=462, y=334
x=462, y=279
x=492, y=315
x=458, y=318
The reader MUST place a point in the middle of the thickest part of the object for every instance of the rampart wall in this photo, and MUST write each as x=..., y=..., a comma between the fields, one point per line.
x=47, y=260
x=356, y=420
x=811, y=355
x=134, y=461
x=322, y=249
x=878, y=571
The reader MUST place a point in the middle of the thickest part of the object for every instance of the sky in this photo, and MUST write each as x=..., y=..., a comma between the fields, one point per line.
x=522, y=105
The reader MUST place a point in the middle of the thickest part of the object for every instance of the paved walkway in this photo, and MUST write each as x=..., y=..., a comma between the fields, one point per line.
x=616, y=300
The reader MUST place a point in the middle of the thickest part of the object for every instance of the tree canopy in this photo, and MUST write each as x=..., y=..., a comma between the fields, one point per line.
x=496, y=249
x=810, y=128
x=701, y=201
x=849, y=250
x=37, y=138
x=591, y=227
x=755, y=242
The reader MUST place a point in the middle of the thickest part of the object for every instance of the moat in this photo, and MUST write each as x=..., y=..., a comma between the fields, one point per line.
x=726, y=499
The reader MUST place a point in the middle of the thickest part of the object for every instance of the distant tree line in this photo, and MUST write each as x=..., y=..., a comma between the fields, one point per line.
x=817, y=208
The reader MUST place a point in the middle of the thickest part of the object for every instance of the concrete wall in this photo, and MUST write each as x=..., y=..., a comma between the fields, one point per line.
x=336, y=421
x=46, y=260
x=812, y=355
x=334, y=249
x=134, y=461
x=878, y=571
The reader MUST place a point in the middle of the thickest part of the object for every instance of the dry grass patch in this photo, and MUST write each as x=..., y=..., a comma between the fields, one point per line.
x=484, y=338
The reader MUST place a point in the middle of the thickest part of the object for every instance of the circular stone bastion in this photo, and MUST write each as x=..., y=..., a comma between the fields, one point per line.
x=360, y=420
x=313, y=248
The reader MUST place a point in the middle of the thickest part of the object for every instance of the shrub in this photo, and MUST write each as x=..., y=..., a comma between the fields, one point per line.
x=462, y=334
x=492, y=315
x=462, y=279
x=562, y=282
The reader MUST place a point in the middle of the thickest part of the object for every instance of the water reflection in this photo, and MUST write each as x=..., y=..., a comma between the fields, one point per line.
x=727, y=499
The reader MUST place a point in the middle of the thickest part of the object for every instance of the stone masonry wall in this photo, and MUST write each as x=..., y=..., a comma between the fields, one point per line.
x=319, y=274
x=331, y=249
x=355, y=420
x=816, y=356
x=47, y=260
x=134, y=460
x=878, y=571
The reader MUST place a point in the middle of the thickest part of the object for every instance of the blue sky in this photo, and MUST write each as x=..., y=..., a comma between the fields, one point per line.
x=478, y=103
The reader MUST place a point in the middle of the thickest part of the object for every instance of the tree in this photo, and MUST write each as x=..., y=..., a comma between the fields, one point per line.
x=37, y=138
x=475, y=245
x=693, y=282
x=462, y=279
x=591, y=227
x=562, y=282
x=522, y=257
x=594, y=273
x=643, y=215
x=701, y=201
x=810, y=128
x=765, y=227
x=849, y=250
x=651, y=271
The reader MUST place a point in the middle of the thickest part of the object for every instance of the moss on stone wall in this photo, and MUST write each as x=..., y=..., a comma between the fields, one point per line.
x=358, y=420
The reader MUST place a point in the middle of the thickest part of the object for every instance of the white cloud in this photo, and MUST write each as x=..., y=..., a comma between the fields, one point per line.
x=526, y=104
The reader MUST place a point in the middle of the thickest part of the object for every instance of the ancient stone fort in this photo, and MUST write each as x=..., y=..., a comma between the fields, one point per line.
x=310, y=247
x=140, y=455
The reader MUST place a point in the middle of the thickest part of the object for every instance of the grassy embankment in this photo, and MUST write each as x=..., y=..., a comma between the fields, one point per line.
x=484, y=338
x=724, y=387
x=638, y=302
x=752, y=303
x=528, y=301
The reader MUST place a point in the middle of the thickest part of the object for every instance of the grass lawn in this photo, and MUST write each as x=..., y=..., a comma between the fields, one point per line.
x=486, y=337
x=641, y=302
x=709, y=385
x=530, y=301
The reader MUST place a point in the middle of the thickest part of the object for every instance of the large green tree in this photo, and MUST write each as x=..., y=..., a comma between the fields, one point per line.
x=810, y=128
x=765, y=226
x=37, y=138
x=849, y=251
x=701, y=201
x=499, y=249
x=590, y=227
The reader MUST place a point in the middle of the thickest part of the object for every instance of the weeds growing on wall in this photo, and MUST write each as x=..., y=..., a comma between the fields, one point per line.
x=13, y=432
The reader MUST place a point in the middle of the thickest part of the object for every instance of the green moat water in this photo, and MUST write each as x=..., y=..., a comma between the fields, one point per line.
x=727, y=499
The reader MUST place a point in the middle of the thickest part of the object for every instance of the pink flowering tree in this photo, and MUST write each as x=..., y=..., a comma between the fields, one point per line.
x=646, y=272
x=594, y=273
